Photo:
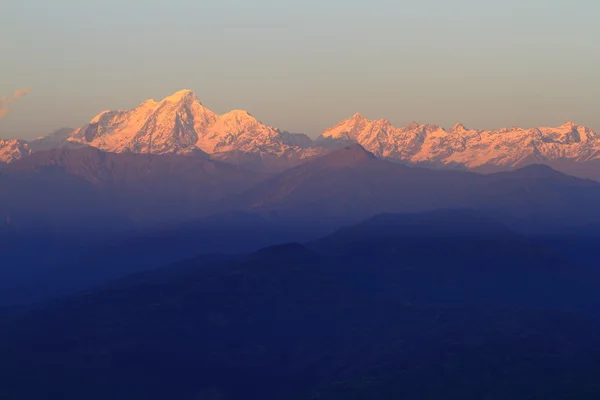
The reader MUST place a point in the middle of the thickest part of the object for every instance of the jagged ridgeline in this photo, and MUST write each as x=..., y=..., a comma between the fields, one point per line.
x=181, y=124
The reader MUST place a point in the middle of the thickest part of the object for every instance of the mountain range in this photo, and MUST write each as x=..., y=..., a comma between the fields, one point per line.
x=181, y=124
x=120, y=212
x=468, y=148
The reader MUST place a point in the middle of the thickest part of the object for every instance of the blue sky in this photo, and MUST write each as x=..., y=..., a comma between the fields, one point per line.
x=304, y=65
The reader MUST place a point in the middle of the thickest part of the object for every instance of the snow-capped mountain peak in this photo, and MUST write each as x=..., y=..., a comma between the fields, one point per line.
x=97, y=118
x=458, y=128
x=180, y=123
x=181, y=95
x=354, y=127
x=357, y=118
x=412, y=126
x=569, y=124
x=237, y=116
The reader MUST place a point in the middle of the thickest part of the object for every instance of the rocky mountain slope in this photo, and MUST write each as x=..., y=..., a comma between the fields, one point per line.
x=13, y=149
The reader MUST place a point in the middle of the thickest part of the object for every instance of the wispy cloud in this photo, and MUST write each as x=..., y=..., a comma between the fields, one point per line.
x=5, y=101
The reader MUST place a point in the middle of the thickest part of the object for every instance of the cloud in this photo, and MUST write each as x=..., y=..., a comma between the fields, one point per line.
x=5, y=101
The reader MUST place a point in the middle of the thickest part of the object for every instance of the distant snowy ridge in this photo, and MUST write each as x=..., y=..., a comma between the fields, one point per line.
x=459, y=146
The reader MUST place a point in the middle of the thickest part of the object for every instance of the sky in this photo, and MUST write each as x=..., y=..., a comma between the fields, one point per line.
x=302, y=66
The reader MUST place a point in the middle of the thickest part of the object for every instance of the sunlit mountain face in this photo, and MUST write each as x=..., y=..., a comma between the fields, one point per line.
x=181, y=124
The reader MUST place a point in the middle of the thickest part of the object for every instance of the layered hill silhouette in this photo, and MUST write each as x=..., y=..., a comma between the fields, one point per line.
x=69, y=213
x=350, y=184
x=144, y=187
x=344, y=186
x=335, y=318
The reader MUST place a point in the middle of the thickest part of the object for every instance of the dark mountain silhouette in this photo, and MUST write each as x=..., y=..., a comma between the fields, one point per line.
x=375, y=234
x=265, y=162
x=148, y=187
x=344, y=186
x=588, y=169
x=75, y=217
x=55, y=202
x=92, y=216
x=455, y=255
x=480, y=311
x=59, y=266
x=539, y=198
x=49, y=217
x=350, y=184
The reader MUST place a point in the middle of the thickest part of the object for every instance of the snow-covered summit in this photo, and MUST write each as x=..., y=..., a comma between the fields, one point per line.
x=181, y=95
x=180, y=123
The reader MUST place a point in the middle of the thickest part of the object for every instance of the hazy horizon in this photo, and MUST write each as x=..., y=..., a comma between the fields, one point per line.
x=303, y=66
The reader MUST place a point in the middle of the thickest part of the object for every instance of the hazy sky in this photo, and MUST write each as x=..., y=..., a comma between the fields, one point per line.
x=304, y=65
